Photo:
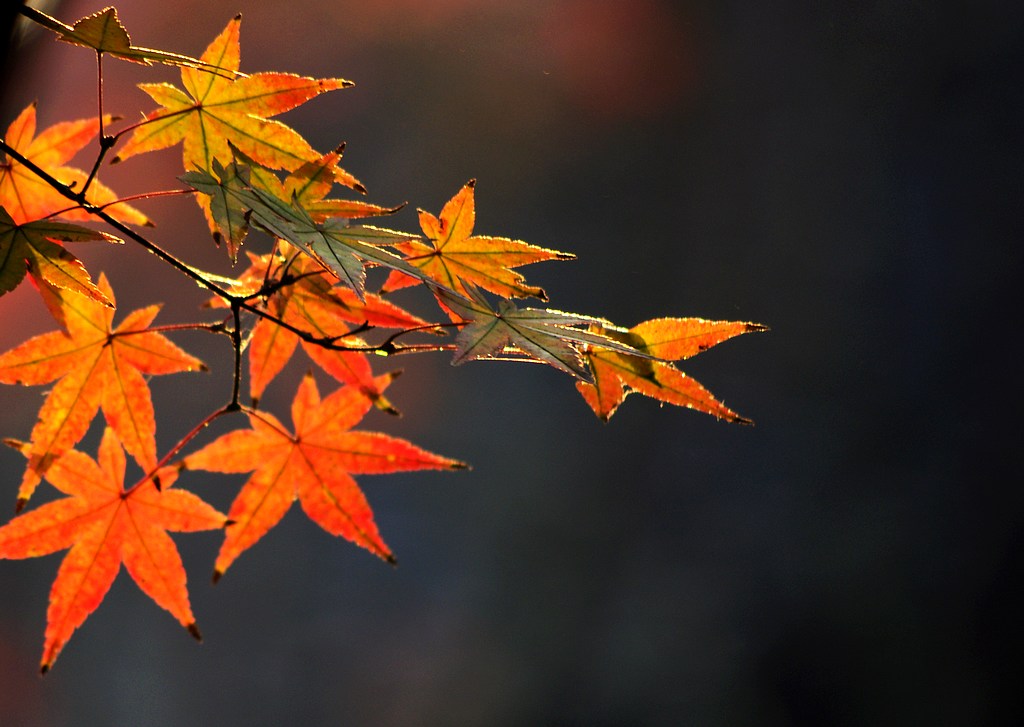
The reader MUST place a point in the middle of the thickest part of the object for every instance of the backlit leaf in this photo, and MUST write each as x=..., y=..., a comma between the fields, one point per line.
x=542, y=335
x=105, y=525
x=314, y=465
x=214, y=111
x=312, y=304
x=456, y=256
x=236, y=201
x=26, y=197
x=32, y=247
x=617, y=374
x=103, y=32
x=95, y=366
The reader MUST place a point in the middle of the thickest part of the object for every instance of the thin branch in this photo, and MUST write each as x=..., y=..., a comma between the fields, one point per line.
x=207, y=420
x=113, y=222
x=238, y=303
x=45, y=20
x=105, y=141
x=148, y=195
x=220, y=327
x=328, y=342
x=391, y=339
x=121, y=200
x=384, y=350
x=236, y=344
x=99, y=91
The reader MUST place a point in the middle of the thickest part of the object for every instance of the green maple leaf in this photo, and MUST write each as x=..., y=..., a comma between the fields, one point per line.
x=544, y=335
x=32, y=248
x=240, y=197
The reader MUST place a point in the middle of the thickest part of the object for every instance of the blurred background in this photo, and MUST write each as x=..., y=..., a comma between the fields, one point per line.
x=847, y=173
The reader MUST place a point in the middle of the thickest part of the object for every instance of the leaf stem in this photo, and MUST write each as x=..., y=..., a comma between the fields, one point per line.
x=385, y=350
x=391, y=339
x=121, y=200
x=148, y=195
x=105, y=141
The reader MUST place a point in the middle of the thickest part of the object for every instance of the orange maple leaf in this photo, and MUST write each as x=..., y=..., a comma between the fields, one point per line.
x=313, y=465
x=617, y=374
x=105, y=525
x=98, y=366
x=27, y=197
x=313, y=304
x=217, y=110
x=309, y=185
x=456, y=256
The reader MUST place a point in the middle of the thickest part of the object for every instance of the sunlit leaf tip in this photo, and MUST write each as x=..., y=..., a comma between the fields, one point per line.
x=616, y=374
x=454, y=257
x=379, y=400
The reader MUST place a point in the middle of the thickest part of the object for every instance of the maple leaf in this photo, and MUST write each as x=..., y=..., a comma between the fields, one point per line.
x=233, y=199
x=307, y=188
x=236, y=198
x=215, y=110
x=543, y=335
x=617, y=374
x=27, y=197
x=311, y=303
x=103, y=32
x=343, y=248
x=105, y=525
x=31, y=247
x=313, y=465
x=310, y=184
x=456, y=256
x=98, y=366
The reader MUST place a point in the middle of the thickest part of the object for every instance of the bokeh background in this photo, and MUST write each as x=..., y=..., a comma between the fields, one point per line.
x=848, y=173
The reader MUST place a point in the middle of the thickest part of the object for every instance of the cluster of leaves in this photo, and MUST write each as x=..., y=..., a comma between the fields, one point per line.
x=247, y=171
